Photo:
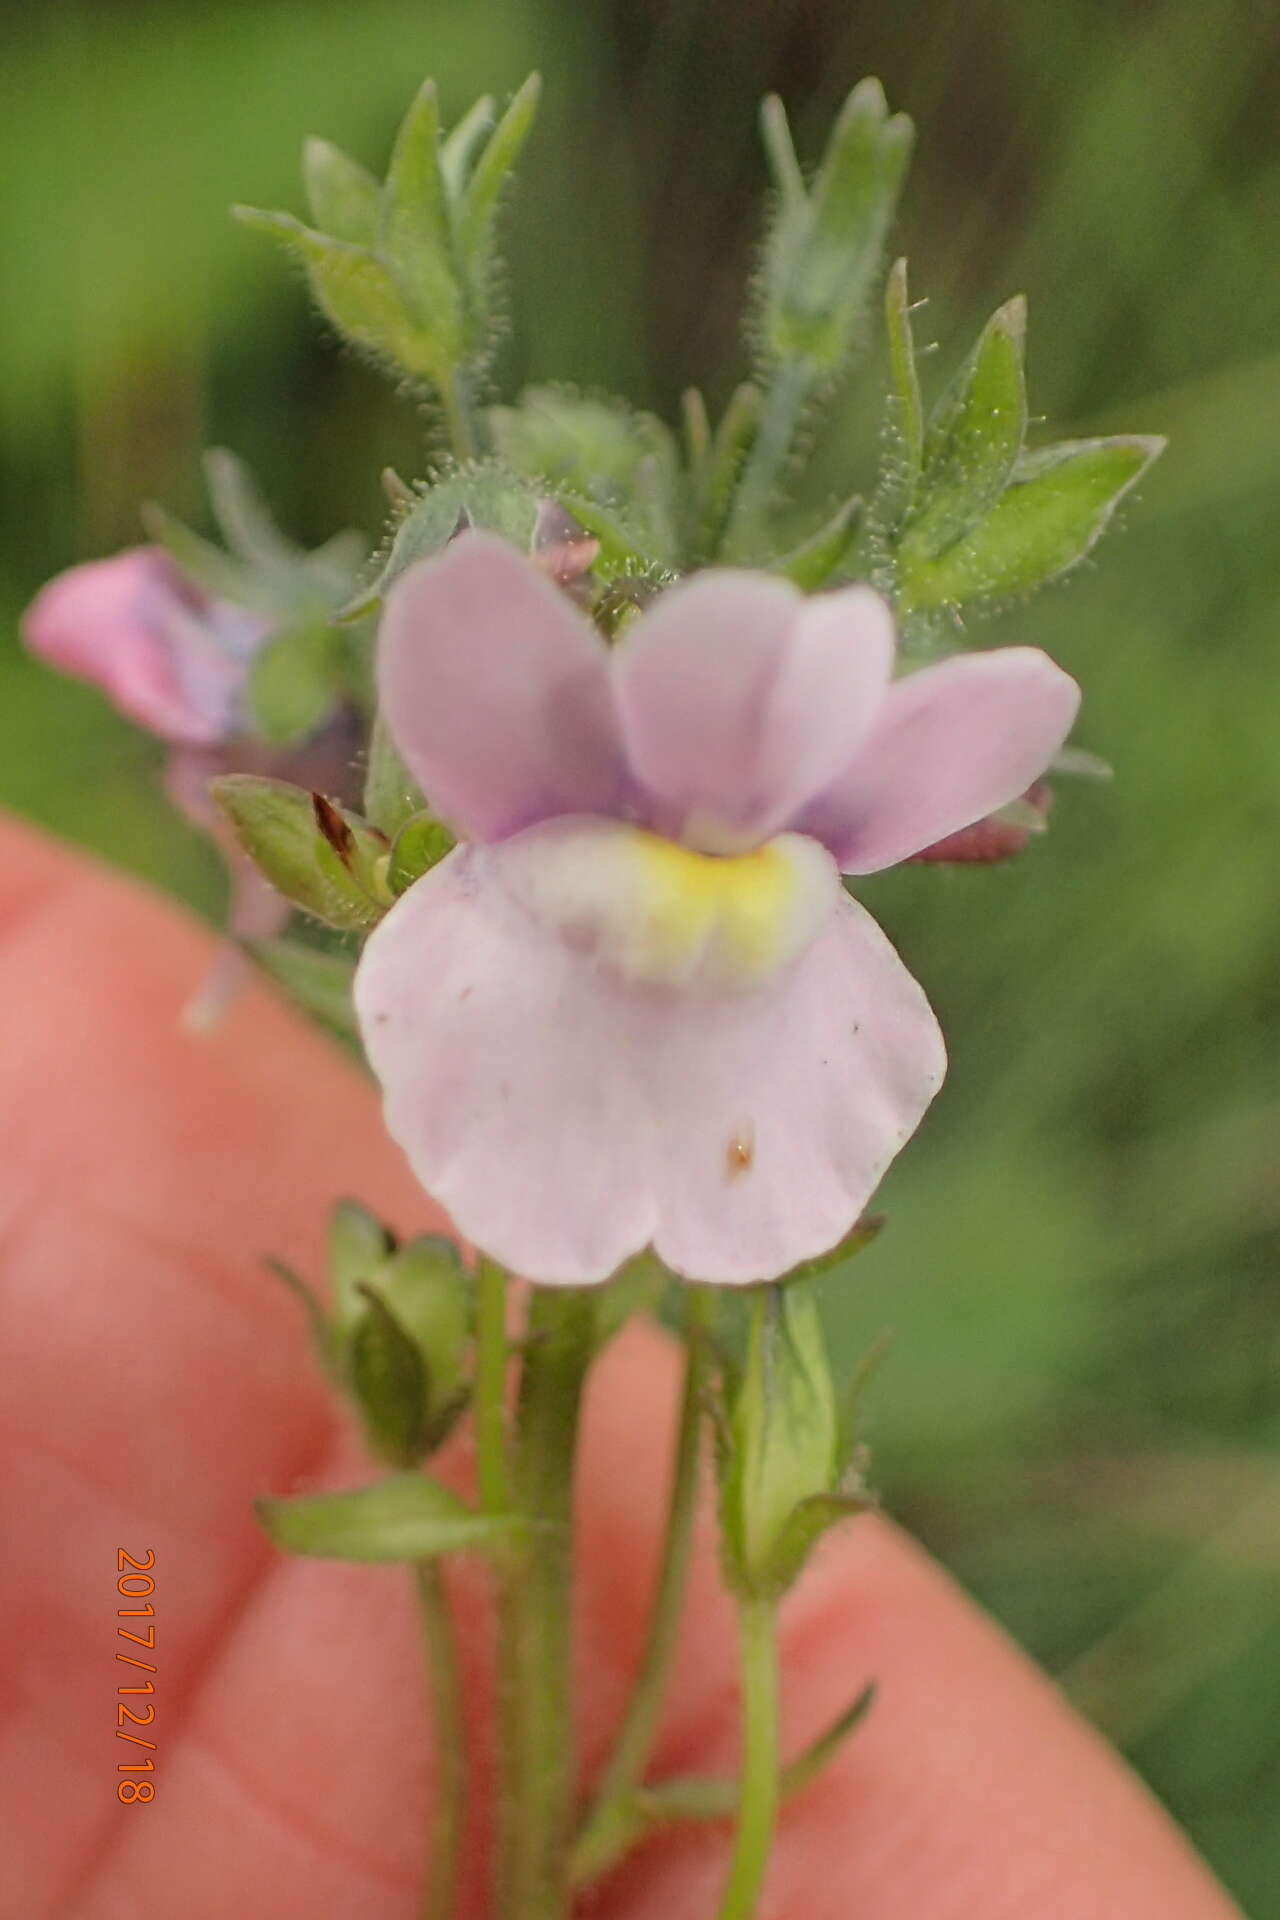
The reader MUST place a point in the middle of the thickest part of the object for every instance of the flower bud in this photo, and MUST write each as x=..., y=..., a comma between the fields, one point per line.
x=781, y=1444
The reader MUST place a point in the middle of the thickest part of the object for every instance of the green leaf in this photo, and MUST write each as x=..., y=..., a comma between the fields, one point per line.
x=208, y=566
x=405, y=1517
x=388, y=1380
x=360, y=295
x=422, y=842
x=492, y=169
x=906, y=409
x=343, y=196
x=359, y=1247
x=245, y=520
x=974, y=440
x=415, y=227
x=295, y=683
x=392, y=797
x=824, y=248
x=278, y=827
x=458, y=150
x=812, y=563
x=319, y=983
x=780, y=150
x=1058, y=506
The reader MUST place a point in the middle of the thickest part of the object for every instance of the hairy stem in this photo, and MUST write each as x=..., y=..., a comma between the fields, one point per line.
x=449, y=1805
x=559, y=1351
x=759, y=1790
x=609, y=1817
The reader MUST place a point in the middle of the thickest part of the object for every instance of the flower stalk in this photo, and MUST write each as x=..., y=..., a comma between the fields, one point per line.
x=760, y=1789
x=448, y=1807
x=609, y=1815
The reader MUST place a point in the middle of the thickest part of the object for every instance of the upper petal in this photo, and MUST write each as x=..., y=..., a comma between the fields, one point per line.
x=497, y=691
x=950, y=744
x=740, y=700
x=134, y=626
x=567, y=1119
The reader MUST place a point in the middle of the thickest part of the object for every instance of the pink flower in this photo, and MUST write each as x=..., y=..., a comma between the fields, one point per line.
x=636, y=1006
x=162, y=651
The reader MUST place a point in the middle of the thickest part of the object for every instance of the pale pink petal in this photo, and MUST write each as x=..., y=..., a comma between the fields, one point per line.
x=740, y=700
x=160, y=650
x=951, y=744
x=566, y=1120
x=496, y=689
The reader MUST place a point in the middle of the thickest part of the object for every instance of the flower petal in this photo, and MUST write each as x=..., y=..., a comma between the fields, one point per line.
x=497, y=691
x=951, y=744
x=566, y=1119
x=740, y=700
x=161, y=652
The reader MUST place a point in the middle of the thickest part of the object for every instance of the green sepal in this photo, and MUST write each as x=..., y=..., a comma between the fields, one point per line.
x=781, y=1439
x=315, y=853
x=812, y=564
x=404, y=1517
x=392, y=797
x=428, y=1290
x=1057, y=507
x=716, y=477
x=358, y=1249
x=867, y=1228
x=599, y=452
x=343, y=196
x=422, y=842
x=486, y=494
x=801, y=1532
x=637, y=1288
x=319, y=1326
x=295, y=682
x=974, y=439
x=317, y=982
x=388, y=1381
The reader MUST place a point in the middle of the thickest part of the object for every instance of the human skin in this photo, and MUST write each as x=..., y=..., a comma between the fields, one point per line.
x=155, y=1380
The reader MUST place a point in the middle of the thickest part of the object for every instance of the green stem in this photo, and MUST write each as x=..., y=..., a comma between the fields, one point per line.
x=459, y=415
x=489, y=1404
x=449, y=1803
x=784, y=406
x=759, y=1793
x=609, y=1815
x=558, y=1353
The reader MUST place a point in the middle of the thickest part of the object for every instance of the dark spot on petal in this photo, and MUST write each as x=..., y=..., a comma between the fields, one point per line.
x=740, y=1154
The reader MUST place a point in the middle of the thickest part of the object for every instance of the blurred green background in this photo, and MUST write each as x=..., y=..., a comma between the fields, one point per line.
x=1082, y=1409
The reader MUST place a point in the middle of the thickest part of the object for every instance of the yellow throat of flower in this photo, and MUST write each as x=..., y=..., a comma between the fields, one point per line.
x=661, y=914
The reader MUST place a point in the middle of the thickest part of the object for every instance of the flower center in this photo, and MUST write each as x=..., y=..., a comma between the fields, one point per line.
x=660, y=914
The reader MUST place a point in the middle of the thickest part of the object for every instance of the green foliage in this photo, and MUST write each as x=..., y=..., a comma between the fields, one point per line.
x=324, y=859
x=825, y=243
x=317, y=982
x=405, y=1517
x=404, y=270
